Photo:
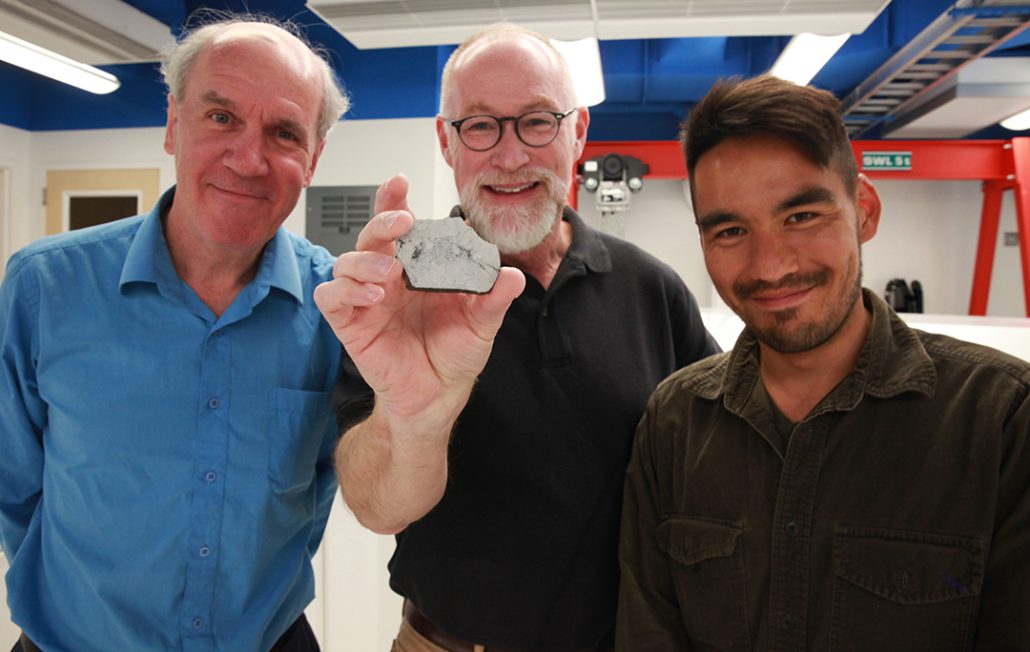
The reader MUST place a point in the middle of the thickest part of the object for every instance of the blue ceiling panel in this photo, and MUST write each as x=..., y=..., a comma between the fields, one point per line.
x=139, y=102
x=391, y=83
x=16, y=105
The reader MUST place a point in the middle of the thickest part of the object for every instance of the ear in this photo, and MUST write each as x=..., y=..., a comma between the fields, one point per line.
x=314, y=162
x=868, y=204
x=170, y=125
x=582, y=123
x=443, y=135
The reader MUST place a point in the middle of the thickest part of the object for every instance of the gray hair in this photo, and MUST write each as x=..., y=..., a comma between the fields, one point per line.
x=177, y=61
x=500, y=32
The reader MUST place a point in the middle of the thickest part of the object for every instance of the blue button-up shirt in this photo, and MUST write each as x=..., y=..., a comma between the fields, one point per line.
x=165, y=475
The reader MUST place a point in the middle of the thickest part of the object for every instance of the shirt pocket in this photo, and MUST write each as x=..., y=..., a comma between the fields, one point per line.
x=297, y=427
x=904, y=590
x=707, y=566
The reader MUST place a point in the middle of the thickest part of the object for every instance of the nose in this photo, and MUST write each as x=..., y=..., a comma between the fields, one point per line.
x=510, y=153
x=245, y=154
x=772, y=256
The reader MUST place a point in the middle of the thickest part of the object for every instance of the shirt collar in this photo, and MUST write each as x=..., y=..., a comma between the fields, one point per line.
x=892, y=361
x=587, y=245
x=149, y=261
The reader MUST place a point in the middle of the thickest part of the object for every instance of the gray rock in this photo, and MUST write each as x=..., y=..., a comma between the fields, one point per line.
x=447, y=255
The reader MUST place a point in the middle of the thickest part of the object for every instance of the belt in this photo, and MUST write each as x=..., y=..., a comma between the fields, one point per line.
x=437, y=636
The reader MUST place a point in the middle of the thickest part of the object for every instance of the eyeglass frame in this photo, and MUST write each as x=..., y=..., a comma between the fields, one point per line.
x=514, y=119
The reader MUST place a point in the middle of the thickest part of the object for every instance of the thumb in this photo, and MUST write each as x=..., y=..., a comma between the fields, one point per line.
x=393, y=195
x=488, y=310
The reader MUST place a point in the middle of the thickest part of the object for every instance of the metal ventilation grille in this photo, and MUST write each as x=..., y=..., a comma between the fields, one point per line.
x=336, y=214
x=915, y=75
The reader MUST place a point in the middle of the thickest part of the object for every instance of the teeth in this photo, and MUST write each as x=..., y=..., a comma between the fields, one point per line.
x=511, y=190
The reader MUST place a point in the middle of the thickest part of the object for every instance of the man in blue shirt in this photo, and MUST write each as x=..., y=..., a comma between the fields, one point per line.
x=167, y=467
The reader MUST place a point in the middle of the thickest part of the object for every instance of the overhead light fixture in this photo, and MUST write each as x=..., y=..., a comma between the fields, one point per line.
x=41, y=61
x=584, y=60
x=805, y=55
x=1018, y=122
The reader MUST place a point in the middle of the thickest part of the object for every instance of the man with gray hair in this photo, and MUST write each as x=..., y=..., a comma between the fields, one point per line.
x=167, y=468
x=493, y=433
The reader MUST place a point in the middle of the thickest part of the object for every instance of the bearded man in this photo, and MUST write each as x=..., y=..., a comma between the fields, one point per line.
x=837, y=481
x=493, y=433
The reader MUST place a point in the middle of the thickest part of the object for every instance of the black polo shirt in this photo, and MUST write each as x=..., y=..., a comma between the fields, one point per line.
x=521, y=552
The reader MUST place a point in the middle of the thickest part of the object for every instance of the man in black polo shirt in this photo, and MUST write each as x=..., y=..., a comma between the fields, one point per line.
x=499, y=438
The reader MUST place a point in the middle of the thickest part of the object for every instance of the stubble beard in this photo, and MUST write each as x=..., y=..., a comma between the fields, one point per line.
x=518, y=227
x=784, y=337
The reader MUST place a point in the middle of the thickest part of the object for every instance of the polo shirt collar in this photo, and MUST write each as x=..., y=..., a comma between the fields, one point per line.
x=587, y=244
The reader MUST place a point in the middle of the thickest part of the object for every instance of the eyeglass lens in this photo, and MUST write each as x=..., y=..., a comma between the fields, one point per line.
x=483, y=132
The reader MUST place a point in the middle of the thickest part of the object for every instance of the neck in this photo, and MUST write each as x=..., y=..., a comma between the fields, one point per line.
x=797, y=382
x=543, y=260
x=216, y=274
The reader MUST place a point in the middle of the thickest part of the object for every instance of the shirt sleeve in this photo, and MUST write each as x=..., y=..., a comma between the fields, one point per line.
x=694, y=341
x=22, y=411
x=1004, y=619
x=648, y=614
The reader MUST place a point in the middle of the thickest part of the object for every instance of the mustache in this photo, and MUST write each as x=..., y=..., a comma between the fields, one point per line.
x=746, y=290
x=522, y=176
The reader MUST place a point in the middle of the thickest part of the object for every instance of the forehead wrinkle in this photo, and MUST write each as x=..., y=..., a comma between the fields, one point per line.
x=537, y=103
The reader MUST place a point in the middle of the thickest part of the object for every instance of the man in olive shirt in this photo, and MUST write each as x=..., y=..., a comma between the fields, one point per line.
x=837, y=481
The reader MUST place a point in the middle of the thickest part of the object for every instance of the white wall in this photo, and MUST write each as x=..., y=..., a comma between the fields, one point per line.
x=660, y=221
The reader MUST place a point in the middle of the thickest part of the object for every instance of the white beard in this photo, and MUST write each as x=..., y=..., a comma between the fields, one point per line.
x=518, y=228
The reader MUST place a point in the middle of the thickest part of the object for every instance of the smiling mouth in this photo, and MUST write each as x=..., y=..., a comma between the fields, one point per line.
x=778, y=301
x=237, y=193
x=512, y=190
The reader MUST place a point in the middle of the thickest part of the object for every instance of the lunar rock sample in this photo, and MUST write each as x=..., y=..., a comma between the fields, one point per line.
x=447, y=255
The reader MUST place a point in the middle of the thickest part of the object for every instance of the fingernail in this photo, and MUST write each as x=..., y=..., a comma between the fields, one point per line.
x=384, y=266
x=374, y=293
x=390, y=219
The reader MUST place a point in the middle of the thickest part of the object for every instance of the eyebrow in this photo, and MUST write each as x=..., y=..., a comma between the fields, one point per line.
x=214, y=97
x=812, y=195
x=712, y=220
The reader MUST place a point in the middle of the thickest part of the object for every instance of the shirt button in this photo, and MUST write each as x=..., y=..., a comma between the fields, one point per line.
x=210, y=476
x=213, y=403
x=198, y=622
x=205, y=551
x=789, y=623
x=791, y=529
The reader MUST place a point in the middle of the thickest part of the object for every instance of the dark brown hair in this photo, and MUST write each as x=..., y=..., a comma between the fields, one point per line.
x=769, y=106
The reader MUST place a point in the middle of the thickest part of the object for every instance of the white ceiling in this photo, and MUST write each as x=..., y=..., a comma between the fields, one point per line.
x=400, y=23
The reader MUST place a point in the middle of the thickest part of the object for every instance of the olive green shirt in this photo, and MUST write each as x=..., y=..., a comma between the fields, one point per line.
x=895, y=516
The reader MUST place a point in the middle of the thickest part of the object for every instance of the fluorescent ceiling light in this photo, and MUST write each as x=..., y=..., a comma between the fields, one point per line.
x=584, y=59
x=41, y=61
x=805, y=55
x=1018, y=122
